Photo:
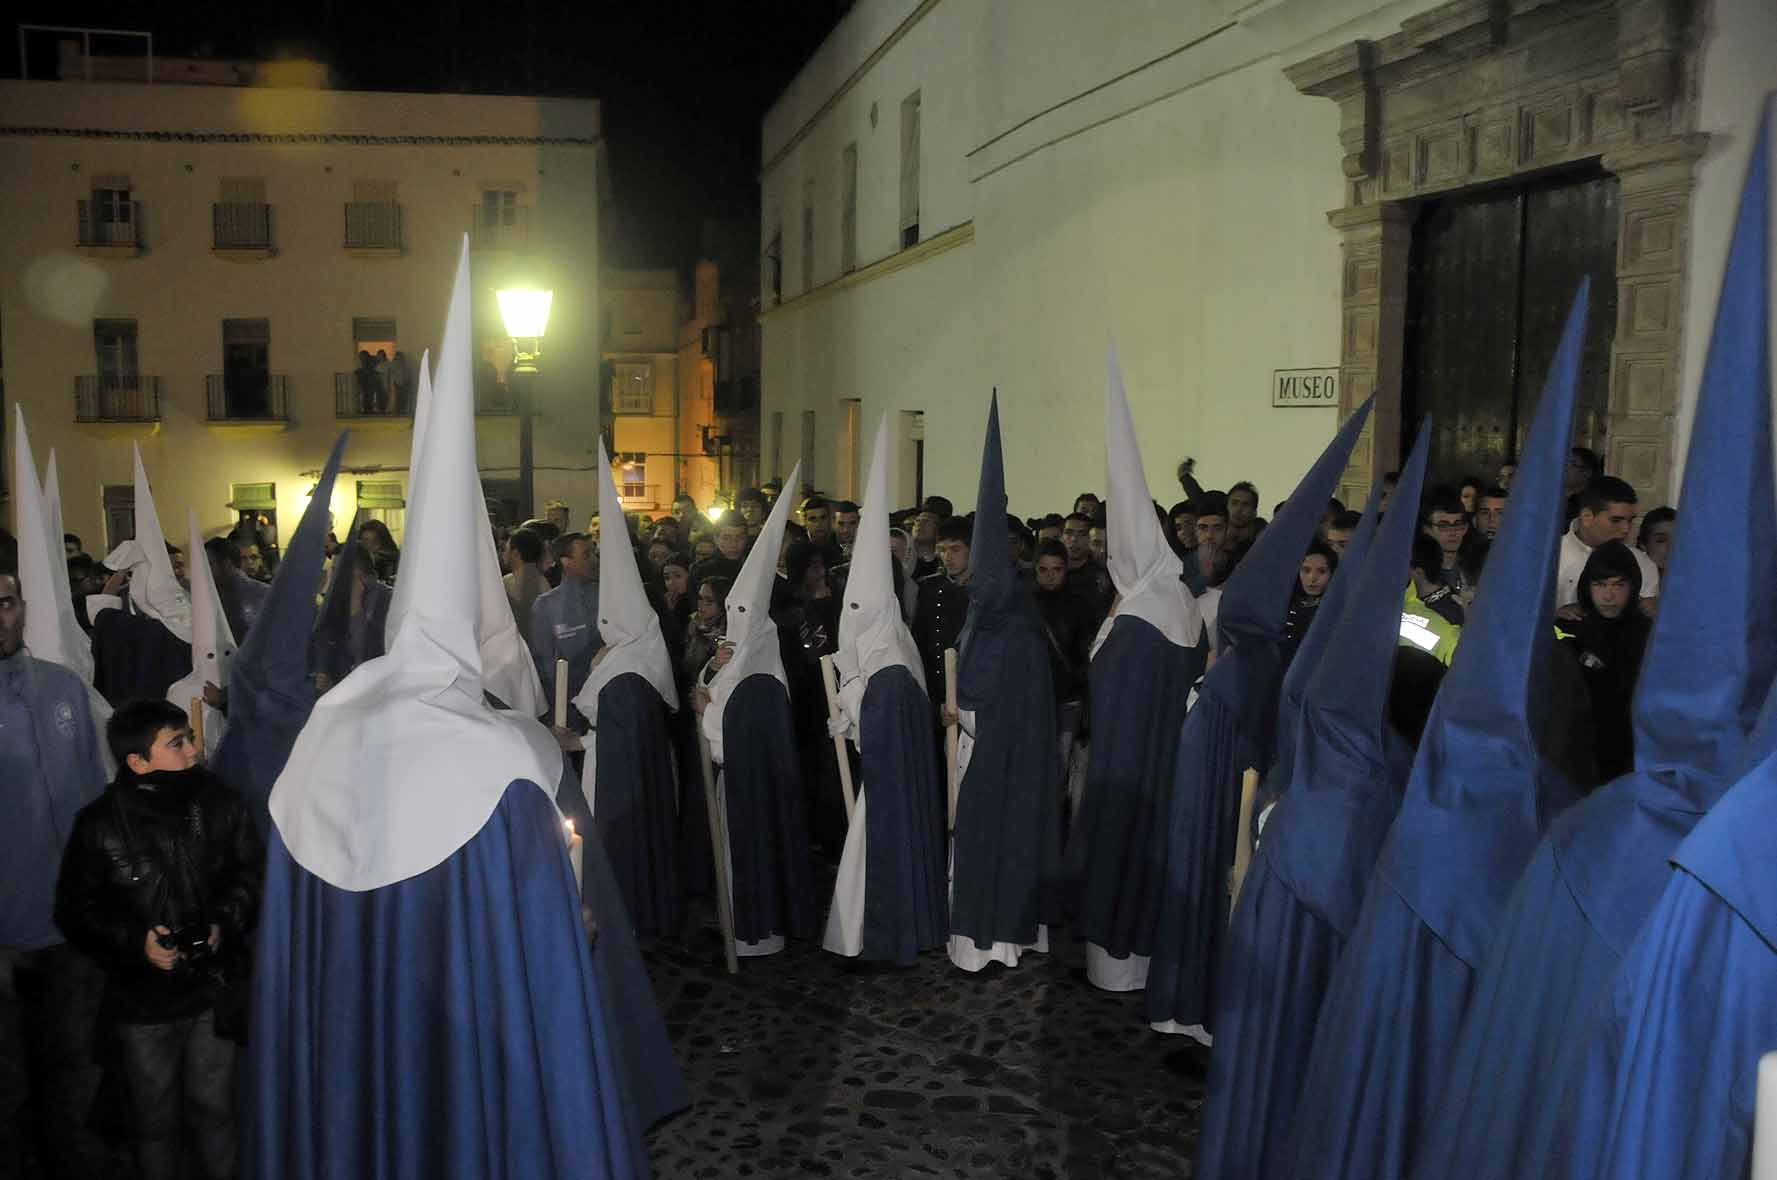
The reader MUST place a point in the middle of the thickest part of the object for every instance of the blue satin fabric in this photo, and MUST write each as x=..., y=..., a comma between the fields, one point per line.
x=767, y=830
x=904, y=843
x=633, y=803
x=449, y=1027
x=1293, y=697
x=1230, y=730
x=1381, y=1047
x=1668, y=1088
x=1277, y=965
x=1008, y=819
x=1116, y=855
x=270, y=693
x=1709, y=665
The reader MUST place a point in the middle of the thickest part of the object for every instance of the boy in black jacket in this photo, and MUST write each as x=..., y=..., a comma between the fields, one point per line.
x=161, y=883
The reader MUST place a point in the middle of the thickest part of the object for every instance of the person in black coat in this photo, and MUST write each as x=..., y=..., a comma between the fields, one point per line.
x=808, y=628
x=161, y=884
x=1608, y=641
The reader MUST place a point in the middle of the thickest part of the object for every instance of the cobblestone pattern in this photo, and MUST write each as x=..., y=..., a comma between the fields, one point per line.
x=807, y=1065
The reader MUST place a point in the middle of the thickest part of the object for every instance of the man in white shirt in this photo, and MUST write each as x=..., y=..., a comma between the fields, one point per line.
x=1607, y=510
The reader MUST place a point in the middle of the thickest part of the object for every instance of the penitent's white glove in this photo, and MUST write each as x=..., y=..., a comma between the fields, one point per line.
x=838, y=727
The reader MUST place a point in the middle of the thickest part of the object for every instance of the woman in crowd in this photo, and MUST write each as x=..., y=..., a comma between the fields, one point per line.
x=1608, y=642
x=1312, y=579
x=704, y=631
x=1655, y=538
x=385, y=555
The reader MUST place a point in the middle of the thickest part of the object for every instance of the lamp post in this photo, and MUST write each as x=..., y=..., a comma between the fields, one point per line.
x=525, y=312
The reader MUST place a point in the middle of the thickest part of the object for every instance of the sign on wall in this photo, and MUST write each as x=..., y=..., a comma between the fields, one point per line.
x=1305, y=387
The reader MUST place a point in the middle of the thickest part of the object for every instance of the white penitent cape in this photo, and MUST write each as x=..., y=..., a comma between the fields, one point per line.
x=872, y=636
x=627, y=624
x=154, y=590
x=402, y=763
x=752, y=638
x=1147, y=575
x=212, y=642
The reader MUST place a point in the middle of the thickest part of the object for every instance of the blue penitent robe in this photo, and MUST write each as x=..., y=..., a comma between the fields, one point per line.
x=1116, y=855
x=1668, y=1087
x=452, y=1025
x=1008, y=823
x=904, y=834
x=135, y=657
x=767, y=831
x=633, y=803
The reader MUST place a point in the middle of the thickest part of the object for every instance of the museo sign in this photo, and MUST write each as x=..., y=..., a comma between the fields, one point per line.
x=1305, y=387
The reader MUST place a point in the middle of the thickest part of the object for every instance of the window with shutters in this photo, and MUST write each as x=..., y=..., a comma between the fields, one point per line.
x=774, y=269
x=373, y=216
x=632, y=388
x=910, y=170
x=808, y=234
x=848, y=211
x=242, y=217
x=109, y=218
x=633, y=474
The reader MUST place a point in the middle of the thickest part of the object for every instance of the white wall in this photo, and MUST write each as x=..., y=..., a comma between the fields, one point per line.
x=1739, y=72
x=1141, y=172
x=178, y=291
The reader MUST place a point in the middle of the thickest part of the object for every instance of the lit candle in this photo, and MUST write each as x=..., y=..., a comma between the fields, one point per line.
x=576, y=847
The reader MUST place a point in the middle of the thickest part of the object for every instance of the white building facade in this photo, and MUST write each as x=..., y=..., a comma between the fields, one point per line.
x=960, y=195
x=212, y=272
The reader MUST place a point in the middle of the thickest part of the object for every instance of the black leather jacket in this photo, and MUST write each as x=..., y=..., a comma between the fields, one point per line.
x=168, y=849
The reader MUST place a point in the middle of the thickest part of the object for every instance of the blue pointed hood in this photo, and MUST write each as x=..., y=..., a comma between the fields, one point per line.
x=996, y=594
x=1713, y=649
x=1349, y=767
x=1256, y=601
x=1347, y=706
x=1294, y=697
x=1480, y=795
x=1731, y=849
x=269, y=689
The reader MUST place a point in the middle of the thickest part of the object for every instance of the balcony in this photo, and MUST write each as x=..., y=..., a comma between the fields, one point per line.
x=247, y=403
x=361, y=397
x=509, y=229
x=373, y=229
x=495, y=399
x=124, y=406
x=111, y=231
x=643, y=497
x=242, y=229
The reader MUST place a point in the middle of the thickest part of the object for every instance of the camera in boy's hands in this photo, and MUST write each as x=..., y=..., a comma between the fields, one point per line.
x=191, y=940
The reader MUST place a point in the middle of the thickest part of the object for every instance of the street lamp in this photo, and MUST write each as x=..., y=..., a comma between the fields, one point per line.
x=525, y=312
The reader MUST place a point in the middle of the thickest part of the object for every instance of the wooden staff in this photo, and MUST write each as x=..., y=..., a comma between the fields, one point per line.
x=197, y=725
x=561, y=694
x=1243, y=836
x=830, y=681
x=950, y=729
x=718, y=848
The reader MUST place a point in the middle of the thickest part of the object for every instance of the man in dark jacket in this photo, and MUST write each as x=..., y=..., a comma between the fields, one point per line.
x=161, y=884
x=943, y=603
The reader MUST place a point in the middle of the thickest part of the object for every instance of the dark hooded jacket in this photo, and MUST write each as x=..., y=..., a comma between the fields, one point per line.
x=1608, y=652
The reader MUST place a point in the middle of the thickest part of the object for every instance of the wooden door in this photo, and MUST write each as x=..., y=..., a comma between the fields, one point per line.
x=1490, y=280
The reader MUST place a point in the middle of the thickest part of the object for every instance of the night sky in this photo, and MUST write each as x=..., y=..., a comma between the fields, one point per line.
x=683, y=85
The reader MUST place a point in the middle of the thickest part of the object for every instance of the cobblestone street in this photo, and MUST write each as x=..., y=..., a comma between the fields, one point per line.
x=806, y=1065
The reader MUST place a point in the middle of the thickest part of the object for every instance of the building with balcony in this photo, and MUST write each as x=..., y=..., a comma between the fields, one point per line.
x=229, y=272
x=642, y=311
x=959, y=195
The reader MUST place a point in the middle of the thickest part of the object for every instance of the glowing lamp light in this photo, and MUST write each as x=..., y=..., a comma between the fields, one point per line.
x=525, y=312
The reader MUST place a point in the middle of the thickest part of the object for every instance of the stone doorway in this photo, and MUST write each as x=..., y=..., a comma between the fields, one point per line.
x=1474, y=92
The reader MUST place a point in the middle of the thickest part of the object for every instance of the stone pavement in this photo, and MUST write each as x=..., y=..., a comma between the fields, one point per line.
x=807, y=1065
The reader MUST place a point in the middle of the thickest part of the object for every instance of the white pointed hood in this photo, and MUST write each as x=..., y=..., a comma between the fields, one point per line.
x=154, y=589
x=51, y=631
x=78, y=644
x=627, y=623
x=212, y=640
x=749, y=627
x=1143, y=566
x=872, y=633
x=402, y=763
x=402, y=595
x=507, y=669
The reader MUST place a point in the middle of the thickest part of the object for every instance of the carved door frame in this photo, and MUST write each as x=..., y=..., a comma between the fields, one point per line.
x=1477, y=91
